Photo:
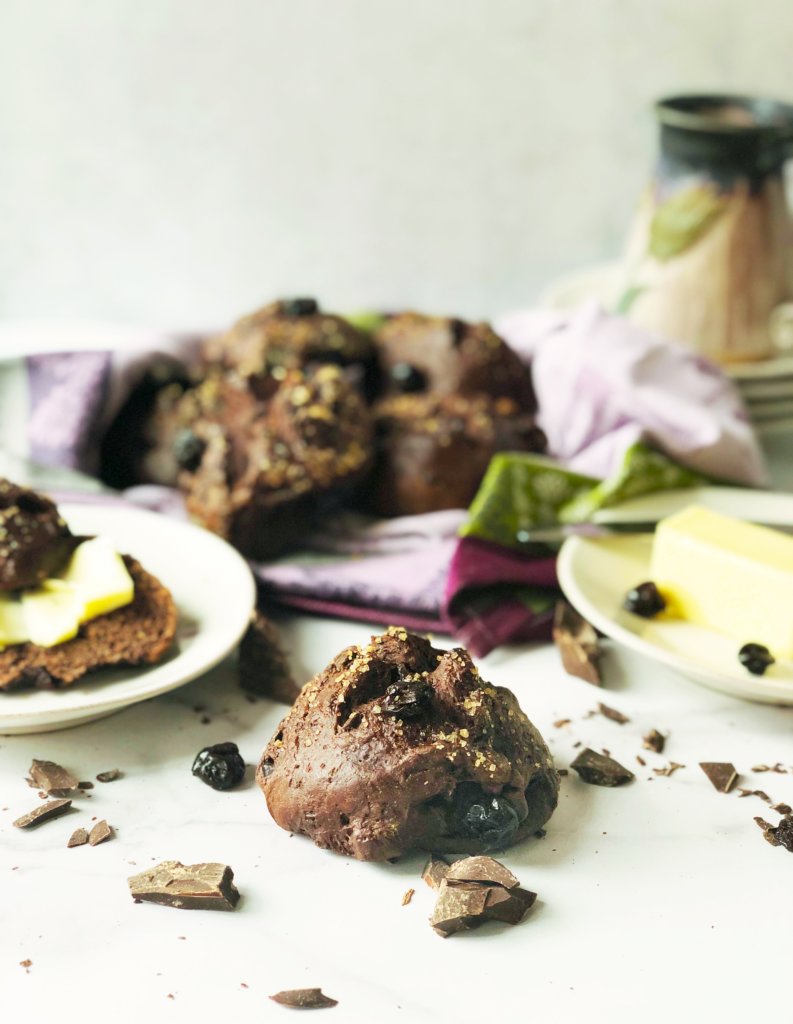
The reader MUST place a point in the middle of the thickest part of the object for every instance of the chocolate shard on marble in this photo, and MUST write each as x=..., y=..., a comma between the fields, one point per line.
x=435, y=870
x=668, y=769
x=782, y=808
x=186, y=886
x=485, y=870
x=754, y=792
x=722, y=774
x=778, y=835
x=613, y=714
x=52, y=778
x=42, y=813
x=578, y=644
x=85, y=785
x=654, y=740
x=78, y=838
x=599, y=770
x=100, y=833
x=109, y=776
x=304, y=999
x=459, y=907
x=509, y=905
x=407, y=896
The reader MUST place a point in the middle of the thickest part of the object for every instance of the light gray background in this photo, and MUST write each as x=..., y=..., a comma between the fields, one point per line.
x=176, y=162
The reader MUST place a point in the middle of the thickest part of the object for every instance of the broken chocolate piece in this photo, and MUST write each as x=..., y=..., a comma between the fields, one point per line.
x=598, y=770
x=578, y=644
x=186, y=886
x=27, y=964
x=779, y=835
x=509, y=905
x=52, y=778
x=85, y=785
x=779, y=768
x=407, y=897
x=641, y=761
x=561, y=722
x=99, y=833
x=668, y=769
x=109, y=776
x=482, y=869
x=654, y=740
x=45, y=812
x=78, y=838
x=613, y=714
x=754, y=792
x=721, y=773
x=304, y=999
x=782, y=808
x=435, y=870
x=263, y=667
x=458, y=907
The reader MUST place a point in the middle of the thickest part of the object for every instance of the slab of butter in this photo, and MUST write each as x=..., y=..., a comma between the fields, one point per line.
x=94, y=582
x=726, y=574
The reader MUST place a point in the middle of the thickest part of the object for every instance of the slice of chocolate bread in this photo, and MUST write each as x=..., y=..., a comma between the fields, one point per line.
x=140, y=633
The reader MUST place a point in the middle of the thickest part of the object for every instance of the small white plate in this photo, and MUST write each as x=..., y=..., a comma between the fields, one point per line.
x=214, y=593
x=595, y=575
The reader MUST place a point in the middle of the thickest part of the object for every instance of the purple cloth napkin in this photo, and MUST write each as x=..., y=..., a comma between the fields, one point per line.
x=602, y=384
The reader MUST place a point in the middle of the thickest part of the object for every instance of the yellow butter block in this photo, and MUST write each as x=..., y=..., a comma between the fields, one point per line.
x=99, y=573
x=728, y=575
x=52, y=613
x=13, y=625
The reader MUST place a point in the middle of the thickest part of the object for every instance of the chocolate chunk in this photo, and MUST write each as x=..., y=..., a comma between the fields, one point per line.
x=99, y=833
x=263, y=667
x=598, y=770
x=482, y=869
x=509, y=905
x=186, y=886
x=782, y=808
x=85, y=785
x=779, y=835
x=458, y=907
x=669, y=769
x=721, y=773
x=304, y=999
x=52, y=778
x=407, y=897
x=578, y=644
x=654, y=740
x=42, y=813
x=78, y=838
x=613, y=714
x=435, y=870
x=778, y=768
x=109, y=776
x=641, y=761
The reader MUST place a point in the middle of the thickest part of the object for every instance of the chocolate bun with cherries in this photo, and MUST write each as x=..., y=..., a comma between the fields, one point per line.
x=398, y=746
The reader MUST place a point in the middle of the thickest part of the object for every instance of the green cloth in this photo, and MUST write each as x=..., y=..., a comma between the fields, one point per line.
x=522, y=492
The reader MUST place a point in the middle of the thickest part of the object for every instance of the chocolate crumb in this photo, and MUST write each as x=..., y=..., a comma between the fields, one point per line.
x=109, y=776
x=641, y=761
x=78, y=838
x=782, y=808
x=779, y=835
x=304, y=999
x=721, y=773
x=561, y=772
x=100, y=833
x=45, y=812
x=597, y=770
x=27, y=964
x=669, y=769
x=754, y=792
x=578, y=644
x=613, y=714
x=407, y=897
x=85, y=785
x=779, y=768
x=561, y=722
x=206, y=720
x=654, y=740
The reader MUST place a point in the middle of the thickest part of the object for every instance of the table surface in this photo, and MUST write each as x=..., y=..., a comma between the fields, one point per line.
x=659, y=900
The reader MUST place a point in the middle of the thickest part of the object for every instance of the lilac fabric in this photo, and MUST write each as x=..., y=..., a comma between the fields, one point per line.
x=601, y=383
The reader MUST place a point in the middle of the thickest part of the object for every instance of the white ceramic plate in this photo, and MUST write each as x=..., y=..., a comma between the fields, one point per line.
x=214, y=592
x=595, y=575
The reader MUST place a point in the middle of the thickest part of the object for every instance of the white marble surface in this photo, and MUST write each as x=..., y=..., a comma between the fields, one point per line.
x=658, y=901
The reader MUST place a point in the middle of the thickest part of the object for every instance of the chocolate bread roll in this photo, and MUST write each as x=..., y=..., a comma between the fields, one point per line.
x=398, y=746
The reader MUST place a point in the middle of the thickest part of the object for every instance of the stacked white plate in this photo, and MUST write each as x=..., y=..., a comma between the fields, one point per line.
x=766, y=386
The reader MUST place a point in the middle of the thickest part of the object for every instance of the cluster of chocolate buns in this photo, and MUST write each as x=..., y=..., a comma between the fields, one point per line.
x=294, y=411
x=396, y=746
